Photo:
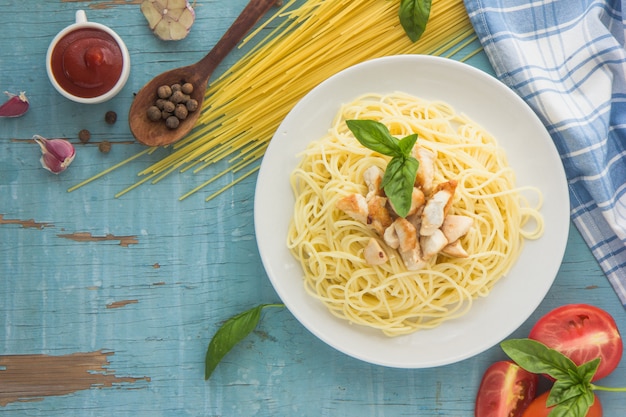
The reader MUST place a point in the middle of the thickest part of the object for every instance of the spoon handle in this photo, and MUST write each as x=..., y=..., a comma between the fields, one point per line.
x=244, y=22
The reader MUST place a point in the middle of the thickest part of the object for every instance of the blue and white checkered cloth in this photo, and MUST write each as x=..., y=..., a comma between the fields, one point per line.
x=566, y=59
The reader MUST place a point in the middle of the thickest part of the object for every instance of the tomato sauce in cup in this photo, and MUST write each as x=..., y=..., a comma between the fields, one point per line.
x=87, y=62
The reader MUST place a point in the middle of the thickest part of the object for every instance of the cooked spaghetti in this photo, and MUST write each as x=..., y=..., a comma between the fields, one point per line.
x=329, y=244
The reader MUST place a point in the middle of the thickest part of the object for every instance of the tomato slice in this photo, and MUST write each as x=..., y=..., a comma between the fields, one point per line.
x=538, y=407
x=582, y=332
x=505, y=391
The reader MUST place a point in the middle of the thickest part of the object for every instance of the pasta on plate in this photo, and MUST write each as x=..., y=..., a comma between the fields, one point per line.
x=329, y=244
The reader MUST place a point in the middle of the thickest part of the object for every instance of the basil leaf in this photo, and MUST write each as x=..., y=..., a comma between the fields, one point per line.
x=232, y=332
x=414, y=15
x=564, y=390
x=375, y=136
x=587, y=370
x=576, y=406
x=398, y=183
x=561, y=410
x=406, y=144
x=578, y=384
x=538, y=358
x=401, y=170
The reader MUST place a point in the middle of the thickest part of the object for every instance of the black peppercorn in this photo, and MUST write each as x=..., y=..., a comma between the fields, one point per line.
x=84, y=135
x=154, y=114
x=173, y=104
x=104, y=146
x=177, y=97
x=160, y=103
x=192, y=105
x=172, y=122
x=110, y=117
x=181, y=111
x=164, y=91
x=187, y=88
x=168, y=106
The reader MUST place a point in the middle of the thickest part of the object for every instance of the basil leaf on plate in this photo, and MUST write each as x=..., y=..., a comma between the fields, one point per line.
x=398, y=183
x=375, y=136
x=401, y=170
x=406, y=144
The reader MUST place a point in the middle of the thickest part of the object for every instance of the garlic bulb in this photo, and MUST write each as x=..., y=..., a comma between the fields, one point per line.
x=170, y=20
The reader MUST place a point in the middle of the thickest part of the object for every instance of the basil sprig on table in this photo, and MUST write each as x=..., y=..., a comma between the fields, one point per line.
x=401, y=170
x=572, y=392
x=414, y=15
x=233, y=331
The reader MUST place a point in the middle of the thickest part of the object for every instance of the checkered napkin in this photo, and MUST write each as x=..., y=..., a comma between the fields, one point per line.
x=566, y=59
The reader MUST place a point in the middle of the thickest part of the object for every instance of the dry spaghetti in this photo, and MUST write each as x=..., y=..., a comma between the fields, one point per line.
x=310, y=41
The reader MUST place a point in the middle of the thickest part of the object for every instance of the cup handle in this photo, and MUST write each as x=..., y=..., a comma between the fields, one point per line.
x=81, y=16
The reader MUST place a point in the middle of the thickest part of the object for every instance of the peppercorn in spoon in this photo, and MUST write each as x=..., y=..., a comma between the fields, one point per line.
x=157, y=133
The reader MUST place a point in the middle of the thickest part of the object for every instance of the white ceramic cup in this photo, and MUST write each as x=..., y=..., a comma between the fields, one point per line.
x=82, y=23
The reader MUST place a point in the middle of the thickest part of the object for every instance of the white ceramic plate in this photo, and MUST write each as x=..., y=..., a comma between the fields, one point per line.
x=530, y=152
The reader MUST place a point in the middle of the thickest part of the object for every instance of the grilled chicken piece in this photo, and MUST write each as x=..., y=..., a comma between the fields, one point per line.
x=416, y=218
x=455, y=249
x=378, y=216
x=374, y=253
x=407, y=235
x=409, y=248
x=417, y=201
x=433, y=244
x=426, y=171
x=354, y=206
x=391, y=237
x=455, y=226
x=433, y=215
x=437, y=207
x=373, y=177
x=448, y=187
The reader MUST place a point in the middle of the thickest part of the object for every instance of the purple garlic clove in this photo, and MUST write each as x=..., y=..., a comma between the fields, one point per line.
x=15, y=106
x=57, y=154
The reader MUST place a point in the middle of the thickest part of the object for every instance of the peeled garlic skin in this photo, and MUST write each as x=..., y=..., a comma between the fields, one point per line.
x=56, y=154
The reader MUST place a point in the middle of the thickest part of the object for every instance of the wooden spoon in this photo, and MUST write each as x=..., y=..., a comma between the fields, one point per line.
x=156, y=133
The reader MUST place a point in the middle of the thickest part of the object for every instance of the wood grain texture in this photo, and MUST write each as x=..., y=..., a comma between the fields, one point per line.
x=134, y=319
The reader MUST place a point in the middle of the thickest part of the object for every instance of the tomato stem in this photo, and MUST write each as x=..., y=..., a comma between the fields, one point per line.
x=610, y=389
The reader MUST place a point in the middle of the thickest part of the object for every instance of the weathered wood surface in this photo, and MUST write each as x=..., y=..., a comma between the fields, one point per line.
x=107, y=305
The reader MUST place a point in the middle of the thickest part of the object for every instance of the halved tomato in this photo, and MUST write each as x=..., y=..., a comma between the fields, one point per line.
x=538, y=407
x=505, y=391
x=582, y=332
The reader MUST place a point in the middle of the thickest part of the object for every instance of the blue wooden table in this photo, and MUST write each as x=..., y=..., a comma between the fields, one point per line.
x=107, y=304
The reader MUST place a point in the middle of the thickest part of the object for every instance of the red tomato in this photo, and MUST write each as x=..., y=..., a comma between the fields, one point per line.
x=538, y=407
x=581, y=332
x=505, y=391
